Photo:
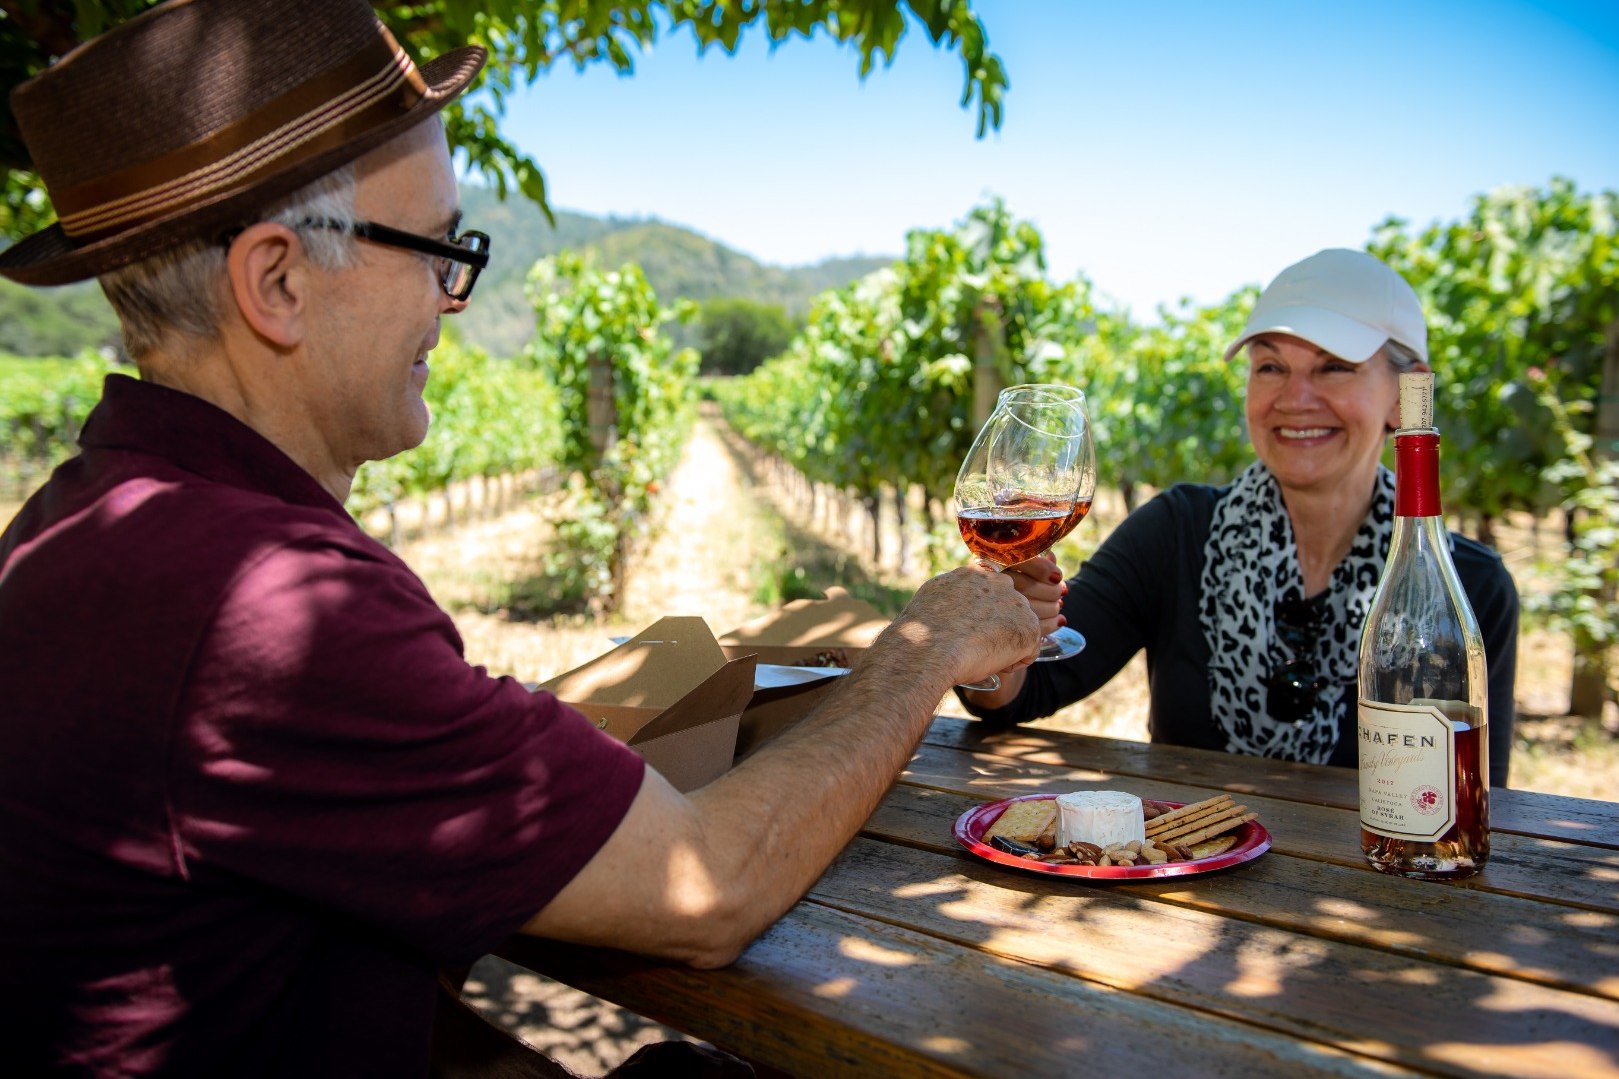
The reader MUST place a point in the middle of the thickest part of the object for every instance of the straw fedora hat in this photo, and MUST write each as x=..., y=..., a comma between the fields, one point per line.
x=196, y=114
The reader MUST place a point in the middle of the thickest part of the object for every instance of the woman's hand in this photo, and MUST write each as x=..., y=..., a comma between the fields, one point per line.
x=1039, y=580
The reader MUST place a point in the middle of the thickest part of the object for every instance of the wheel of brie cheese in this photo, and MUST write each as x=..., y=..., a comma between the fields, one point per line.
x=1100, y=817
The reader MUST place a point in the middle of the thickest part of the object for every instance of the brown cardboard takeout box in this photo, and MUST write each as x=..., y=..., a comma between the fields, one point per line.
x=669, y=693
x=800, y=631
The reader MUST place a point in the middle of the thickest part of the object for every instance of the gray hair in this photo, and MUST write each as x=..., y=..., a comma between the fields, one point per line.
x=181, y=291
x=1401, y=358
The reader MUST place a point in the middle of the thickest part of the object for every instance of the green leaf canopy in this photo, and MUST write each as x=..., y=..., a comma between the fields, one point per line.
x=525, y=38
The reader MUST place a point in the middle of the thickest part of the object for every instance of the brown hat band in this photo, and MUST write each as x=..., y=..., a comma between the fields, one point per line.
x=371, y=87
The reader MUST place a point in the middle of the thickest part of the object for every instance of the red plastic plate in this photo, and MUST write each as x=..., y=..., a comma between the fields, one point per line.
x=1252, y=841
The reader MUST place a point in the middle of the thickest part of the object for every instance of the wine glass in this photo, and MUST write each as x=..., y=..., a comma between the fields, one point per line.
x=1065, y=641
x=1026, y=482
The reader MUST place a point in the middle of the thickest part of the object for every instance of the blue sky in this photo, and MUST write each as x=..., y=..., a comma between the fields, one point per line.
x=1168, y=150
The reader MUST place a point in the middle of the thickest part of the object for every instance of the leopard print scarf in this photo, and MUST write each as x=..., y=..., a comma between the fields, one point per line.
x=1250, y=563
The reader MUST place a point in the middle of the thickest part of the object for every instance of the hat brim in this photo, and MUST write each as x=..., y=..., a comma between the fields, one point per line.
x=51, y=257
x=1342, y=336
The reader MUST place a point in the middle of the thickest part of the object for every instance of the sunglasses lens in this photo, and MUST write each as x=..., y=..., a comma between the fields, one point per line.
x=458, y=276
x=457, y=279
x=1293, y=686
x=1292, y=692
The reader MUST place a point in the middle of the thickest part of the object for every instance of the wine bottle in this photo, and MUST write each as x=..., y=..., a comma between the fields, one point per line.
x=1423, y=717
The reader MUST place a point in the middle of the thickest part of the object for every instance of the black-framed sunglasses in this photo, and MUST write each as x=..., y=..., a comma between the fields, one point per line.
x=1292, y=688
x=458, y=260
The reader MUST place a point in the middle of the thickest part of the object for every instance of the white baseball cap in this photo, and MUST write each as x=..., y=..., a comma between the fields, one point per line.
x=1346, y=302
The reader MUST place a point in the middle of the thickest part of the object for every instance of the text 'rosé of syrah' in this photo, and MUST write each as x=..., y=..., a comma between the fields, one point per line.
x=1015, y=532
x=1423, y=722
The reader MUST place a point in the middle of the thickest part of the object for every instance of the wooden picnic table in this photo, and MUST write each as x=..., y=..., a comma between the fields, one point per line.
x=910, y=957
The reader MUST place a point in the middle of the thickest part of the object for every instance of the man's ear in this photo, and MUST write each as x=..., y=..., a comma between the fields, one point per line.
x=270, y=280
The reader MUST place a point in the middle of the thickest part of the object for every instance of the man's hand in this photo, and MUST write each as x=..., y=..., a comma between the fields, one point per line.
x=1039, y=581
x=973, y=618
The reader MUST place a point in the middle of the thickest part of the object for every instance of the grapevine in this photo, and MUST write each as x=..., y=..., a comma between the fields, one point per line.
x=626, y=395
x=43, y=404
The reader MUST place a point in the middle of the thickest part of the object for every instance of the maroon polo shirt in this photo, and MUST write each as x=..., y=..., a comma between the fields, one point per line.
x=251, y=794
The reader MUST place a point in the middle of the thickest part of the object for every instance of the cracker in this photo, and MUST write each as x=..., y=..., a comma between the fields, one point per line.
x=1210, y=847
x=1024, y=821
x=1198, y=824
x=1215, y=829
x=1185, y=813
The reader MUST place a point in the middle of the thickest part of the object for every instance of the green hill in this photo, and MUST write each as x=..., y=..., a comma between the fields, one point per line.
x=679, y=263
x=54, y=321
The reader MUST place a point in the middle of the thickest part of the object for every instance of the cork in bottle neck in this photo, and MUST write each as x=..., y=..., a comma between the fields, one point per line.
x=1416, y=401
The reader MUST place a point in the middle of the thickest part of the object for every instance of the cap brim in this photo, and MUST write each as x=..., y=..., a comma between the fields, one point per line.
x=1328, y=330
x=50, y=257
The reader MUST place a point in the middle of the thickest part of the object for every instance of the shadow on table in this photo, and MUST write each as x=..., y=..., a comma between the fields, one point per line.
x=575, y=1029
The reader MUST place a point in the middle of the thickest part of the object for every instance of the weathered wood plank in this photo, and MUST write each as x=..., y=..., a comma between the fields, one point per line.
x=1312, y=988
x=825, y=994
x=1465, y=927
x=1529, y=813
x=1563, y=872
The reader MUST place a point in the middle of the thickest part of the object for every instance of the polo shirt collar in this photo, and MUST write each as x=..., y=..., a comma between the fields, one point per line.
x=198, y=437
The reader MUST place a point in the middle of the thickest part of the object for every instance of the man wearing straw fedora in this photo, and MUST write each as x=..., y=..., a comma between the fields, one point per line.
x=252, y=798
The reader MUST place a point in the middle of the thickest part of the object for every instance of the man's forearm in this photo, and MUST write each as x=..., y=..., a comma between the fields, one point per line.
x=715, y=868
x=695, y=877
x=818, y=781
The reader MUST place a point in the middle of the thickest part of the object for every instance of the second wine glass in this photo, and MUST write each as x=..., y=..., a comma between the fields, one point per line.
x=1065, y=641
x=1027, y=480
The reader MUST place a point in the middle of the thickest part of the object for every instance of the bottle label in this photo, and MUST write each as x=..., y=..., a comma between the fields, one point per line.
x=1407, y=771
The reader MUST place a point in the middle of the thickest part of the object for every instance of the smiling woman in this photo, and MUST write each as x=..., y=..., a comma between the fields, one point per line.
x=1249, y=598
x=1318, y=423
